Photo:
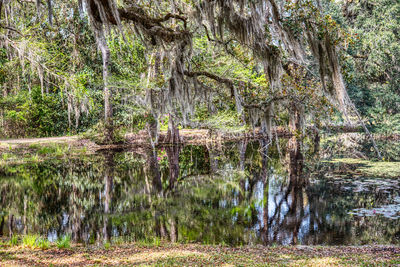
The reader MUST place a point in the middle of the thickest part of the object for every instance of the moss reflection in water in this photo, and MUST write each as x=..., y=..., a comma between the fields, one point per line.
x=235, y=194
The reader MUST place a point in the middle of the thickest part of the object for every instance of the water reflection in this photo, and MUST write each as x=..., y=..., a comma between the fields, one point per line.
x=241, y=193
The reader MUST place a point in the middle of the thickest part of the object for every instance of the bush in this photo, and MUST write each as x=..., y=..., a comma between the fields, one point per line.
x=33, y=114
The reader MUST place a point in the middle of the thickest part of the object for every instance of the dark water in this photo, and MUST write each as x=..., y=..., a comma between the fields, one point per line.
x=235, y=194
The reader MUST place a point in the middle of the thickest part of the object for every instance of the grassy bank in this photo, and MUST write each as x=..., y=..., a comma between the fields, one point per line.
x=167, y=254
x=369, y=168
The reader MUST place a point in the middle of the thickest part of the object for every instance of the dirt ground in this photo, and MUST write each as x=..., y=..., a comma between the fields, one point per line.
x=201, y=255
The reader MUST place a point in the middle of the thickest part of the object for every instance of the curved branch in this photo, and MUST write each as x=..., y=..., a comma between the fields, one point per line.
x=10, y=29
x=212, y=76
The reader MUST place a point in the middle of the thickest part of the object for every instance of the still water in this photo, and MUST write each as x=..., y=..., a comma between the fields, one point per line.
x=235, y=194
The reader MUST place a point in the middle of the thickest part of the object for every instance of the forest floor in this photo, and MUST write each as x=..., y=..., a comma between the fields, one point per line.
x=167, y=254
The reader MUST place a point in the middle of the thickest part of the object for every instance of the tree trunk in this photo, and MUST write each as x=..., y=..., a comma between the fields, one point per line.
x=76, y=216
x=294, y=145
x=108, y=110
x=10, y=224
x=173, y=230
x=173, y=162
x=265, y=181
x=153, y=131
x=317, y=140
x=242, y=153
x=160, y=230
x=154, y=170
x=108, y=185
x=173, y=132
x=25, y=211
x=1, y=225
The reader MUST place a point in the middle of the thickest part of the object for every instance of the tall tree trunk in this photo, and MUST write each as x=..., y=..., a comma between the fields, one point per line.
x=108, y=184
x=265, y=181
x=153, y=169
x=76, y=216
x=173, y=162
x=96, y=11
x=10, y=224
x=108, y=111
x=294, y=145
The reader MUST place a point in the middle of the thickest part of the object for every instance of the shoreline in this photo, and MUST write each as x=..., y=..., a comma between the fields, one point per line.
x=188, y=136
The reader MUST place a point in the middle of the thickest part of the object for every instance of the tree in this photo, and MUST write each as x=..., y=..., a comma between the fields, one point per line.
x=274, y=58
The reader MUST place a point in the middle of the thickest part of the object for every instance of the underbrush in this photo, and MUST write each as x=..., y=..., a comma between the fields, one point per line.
x=97, y=134
x=64, y=242
x=225, y=121
x=37, y=242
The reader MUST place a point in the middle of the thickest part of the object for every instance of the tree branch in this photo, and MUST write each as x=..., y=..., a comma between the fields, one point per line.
x=11, y=29
x=212, y=76
x=154, y=26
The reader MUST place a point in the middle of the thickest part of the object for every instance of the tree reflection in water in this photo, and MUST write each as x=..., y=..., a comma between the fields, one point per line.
x=234, y=194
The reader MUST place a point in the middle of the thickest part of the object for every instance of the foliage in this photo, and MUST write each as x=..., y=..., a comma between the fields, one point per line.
x=42, y=243
x=221, y=189
x=64, y=242
x=30, y=241
x=97, y=134
x=14, y=240
x=371, y=65
x=51, y=74
x=33, y=115
x=227, y=120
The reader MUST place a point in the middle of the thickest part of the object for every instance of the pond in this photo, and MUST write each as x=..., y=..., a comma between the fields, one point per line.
x=233, y=194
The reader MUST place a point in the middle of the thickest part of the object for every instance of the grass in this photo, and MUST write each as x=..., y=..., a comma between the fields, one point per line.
x=64, y=242
x=169, y=254
x=14, y=240
x=35, y=153
x=107, y=245
x=29, y=241
x=42, y=243
x=150, y=243
x=32, y=242
x=372, y=168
